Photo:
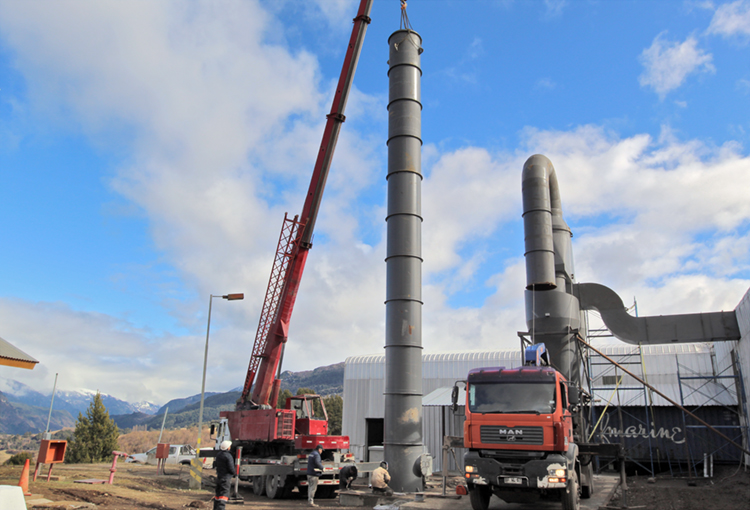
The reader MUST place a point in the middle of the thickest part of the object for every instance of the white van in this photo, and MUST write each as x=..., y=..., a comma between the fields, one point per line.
x=178, y=454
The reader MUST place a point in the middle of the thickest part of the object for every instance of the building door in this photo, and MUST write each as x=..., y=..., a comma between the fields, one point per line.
x=374, y=435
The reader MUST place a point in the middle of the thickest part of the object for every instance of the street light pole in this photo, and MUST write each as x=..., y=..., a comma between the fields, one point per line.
x=196, y=471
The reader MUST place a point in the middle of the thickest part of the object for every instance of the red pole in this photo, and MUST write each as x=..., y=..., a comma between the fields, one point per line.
x=114, y=465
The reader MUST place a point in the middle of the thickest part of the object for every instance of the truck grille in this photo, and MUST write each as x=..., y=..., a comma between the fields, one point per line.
x=493, y=434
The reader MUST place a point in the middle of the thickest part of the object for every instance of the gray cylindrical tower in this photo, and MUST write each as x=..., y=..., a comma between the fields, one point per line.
x=553, y=314
x=403, y=304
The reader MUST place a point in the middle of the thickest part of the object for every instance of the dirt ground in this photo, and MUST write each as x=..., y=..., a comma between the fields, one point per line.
x=138, y=486
x=135, y=486
x=729, y=489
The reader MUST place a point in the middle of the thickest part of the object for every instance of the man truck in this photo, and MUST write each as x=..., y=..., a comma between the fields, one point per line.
x=519, y=431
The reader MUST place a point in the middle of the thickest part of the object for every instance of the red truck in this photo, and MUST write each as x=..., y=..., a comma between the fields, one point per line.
x=274, y=444
x=519, y=432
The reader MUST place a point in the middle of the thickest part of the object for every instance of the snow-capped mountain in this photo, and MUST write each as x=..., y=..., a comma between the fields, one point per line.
x=72, y=401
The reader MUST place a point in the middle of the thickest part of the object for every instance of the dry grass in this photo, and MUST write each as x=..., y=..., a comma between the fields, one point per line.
x=141, y=441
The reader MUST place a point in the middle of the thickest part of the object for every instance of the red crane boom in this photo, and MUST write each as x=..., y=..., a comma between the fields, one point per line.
x=295, y=242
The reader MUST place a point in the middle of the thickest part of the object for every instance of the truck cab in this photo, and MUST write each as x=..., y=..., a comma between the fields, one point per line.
x=519, y=436
x=311, y=417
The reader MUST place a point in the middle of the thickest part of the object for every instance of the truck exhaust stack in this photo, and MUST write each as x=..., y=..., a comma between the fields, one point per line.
x=403, y=305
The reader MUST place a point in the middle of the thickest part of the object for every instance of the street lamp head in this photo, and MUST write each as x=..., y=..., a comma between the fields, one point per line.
x=233, y=297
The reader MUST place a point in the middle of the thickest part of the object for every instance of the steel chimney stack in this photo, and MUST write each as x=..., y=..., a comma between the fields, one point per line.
x=403, y=305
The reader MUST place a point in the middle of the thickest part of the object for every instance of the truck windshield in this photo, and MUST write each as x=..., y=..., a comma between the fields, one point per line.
x=535, y=398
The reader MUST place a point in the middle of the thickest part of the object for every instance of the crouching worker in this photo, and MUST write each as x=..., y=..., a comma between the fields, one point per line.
x=225, y=470
x=380, y=479
x=347, y=475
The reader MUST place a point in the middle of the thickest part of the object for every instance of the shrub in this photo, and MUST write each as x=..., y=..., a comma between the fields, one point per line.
x=19, y=458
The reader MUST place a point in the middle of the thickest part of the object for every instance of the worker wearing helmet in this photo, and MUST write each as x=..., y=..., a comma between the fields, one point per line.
x=225, y=470
x=314, y=470
x=380, y=479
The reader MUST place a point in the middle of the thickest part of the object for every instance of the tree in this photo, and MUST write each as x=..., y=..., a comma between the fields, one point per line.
x=335, y=409
x=283, y=395
x=95, y=437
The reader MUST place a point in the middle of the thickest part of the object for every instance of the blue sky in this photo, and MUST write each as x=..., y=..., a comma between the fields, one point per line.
x=149, y=150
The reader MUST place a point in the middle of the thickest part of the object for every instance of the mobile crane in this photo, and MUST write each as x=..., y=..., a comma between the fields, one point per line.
x=272, y=443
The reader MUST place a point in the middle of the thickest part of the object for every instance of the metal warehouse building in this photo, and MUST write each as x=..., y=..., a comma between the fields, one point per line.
x=708, y=379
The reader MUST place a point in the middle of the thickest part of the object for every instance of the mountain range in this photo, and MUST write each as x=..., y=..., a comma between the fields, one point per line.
x=23, y=409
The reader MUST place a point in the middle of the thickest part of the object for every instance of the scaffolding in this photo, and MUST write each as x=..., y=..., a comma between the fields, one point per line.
x=632, y=398
x=724, y=389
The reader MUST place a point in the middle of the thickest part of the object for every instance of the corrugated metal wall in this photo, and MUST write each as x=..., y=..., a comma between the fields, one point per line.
x=364, y=384
x=364, y=381
x=438, y=421
x=743, y=350
x=673, y=437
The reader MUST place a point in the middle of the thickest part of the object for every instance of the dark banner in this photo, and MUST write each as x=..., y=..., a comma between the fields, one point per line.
x=669, y=435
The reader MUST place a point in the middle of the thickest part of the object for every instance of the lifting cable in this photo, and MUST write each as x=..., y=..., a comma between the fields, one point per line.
x=405, y=24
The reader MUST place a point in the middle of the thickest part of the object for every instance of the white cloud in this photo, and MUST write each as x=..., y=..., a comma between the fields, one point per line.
x=466, y=195
x=667, y=64
x=545, y=84
x=554, y=7
x=96, y=352
x=731, y=19
x=662, y=200
x=219, y=120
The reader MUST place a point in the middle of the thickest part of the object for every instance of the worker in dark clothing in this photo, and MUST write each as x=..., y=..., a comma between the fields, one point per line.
x=314, y=470
x=347, y=475
x=225, y=470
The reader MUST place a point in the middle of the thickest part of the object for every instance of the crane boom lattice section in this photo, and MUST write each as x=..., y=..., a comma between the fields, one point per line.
x=285, y=252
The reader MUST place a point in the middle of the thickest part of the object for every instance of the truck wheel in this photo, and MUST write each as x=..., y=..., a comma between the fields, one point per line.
x=587, y=490
x=570, y=496
x=259, y=485
x=274, y=489
x=480, y=497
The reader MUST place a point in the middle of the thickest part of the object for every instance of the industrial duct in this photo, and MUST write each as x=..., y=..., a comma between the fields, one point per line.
x=554, y=300
x=403, y=305
x=552, y=312
x=662, y=329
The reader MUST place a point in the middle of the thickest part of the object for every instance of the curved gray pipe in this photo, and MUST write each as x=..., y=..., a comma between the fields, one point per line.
x=552, y=312
x=662, y=329
x=542, y=216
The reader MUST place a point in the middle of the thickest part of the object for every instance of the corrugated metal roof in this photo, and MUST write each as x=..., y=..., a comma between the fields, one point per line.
x=450, y=365
x=659, y=365
x=11, y=355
